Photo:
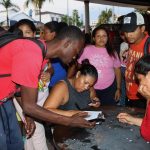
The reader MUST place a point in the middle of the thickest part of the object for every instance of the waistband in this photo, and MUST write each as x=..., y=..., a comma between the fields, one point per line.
x=5, y=99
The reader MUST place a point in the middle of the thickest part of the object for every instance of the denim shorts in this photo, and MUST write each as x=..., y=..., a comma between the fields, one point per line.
x=10, y=133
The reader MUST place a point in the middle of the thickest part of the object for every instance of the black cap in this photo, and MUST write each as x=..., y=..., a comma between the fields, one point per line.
x=131, y=21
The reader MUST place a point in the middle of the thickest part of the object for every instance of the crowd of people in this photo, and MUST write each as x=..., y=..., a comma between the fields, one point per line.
x=77, y=72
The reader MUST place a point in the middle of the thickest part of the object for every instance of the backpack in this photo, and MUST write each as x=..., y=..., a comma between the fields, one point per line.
x=7, y=37
x=147, y=46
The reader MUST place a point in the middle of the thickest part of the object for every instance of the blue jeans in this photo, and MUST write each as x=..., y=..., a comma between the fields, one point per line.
x=10, y=134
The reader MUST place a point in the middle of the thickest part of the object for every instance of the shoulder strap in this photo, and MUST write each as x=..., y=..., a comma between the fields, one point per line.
x=41, y=45
x=7, y=38
x=4, y=75
x=147, y=46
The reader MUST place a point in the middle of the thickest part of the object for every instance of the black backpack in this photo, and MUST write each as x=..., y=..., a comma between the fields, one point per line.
x=7, y=37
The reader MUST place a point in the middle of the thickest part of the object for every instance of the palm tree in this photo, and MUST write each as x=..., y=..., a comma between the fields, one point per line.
x=7, y=4
x=67, y=19
x=142, y=11
x=38, y=4
x=105, y=16
x=76, y=18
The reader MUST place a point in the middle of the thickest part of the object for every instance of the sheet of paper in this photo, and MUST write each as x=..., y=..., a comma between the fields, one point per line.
x=92, y=114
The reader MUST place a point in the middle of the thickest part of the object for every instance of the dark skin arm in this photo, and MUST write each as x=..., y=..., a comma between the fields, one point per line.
x=72, y=69
x=95, y=102
x=29, y=97
x=29, y=122
x=118, y=79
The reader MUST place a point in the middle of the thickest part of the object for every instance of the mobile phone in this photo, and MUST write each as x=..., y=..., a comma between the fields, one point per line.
x=97, y=120
x=93, y=101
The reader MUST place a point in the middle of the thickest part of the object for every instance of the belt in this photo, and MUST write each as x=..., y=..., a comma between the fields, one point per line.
x=8, y=97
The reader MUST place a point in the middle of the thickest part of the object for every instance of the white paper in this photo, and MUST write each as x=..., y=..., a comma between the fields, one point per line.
x=92, y=114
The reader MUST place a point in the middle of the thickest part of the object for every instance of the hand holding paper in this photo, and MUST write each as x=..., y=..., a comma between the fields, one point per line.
x=97, y=116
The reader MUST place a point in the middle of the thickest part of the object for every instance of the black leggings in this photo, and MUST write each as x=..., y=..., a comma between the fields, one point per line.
x=107, y=95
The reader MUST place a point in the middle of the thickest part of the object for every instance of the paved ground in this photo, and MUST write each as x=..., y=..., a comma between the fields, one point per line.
x=110, y=135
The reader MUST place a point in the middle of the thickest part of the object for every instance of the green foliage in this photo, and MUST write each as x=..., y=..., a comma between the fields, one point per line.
x=104, y=17
x=73, y=20
x=38, y=4
x=76, y=19
x=142, y=11
x=67, y=19
x=8, y=4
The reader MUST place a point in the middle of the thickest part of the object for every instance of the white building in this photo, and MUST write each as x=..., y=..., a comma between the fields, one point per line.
x=94, y=22
x=3, y=15
x=15, y=15
x=48, y=16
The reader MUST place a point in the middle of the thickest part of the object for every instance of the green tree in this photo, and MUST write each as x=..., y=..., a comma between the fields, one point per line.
x=38, y=4
x=8, y=4
x=76, y=19
x=66, y=19
x=73, y=20
x=104, y=17
x=142, y=11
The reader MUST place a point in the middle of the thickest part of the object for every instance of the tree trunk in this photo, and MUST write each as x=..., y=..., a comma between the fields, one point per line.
x=40, y=14
x=7, y=17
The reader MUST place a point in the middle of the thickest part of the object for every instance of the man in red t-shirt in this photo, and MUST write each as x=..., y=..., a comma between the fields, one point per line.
x=134, y=31
x=23, y=60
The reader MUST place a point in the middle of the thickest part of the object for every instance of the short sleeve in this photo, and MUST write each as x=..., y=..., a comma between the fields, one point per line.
x=26, y=64
x=117, y=62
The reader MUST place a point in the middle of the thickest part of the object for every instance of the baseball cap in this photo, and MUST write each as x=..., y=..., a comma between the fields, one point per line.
x=131, y=21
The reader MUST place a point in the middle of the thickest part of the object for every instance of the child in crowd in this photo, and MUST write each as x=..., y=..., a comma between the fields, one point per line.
x=107, y=62
x=142, y=71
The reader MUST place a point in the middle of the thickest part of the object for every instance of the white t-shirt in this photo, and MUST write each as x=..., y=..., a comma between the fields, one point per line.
x=124, y=53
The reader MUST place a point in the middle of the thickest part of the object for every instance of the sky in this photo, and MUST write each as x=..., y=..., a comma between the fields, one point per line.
x=60, y=6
